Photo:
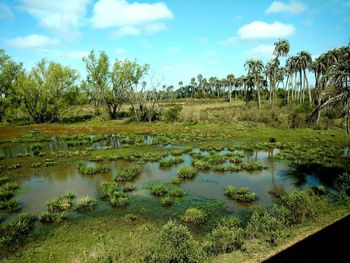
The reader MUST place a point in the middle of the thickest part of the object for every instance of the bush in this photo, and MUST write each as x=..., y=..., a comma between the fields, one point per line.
x=242, y=194
x=175, y=244
x=128, y=174
x=302, y=205
x=186, y=172
x=86, y=204
x=194, y=215
x=172, y=114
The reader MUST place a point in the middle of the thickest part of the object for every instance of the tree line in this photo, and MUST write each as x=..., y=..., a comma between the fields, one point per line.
x=49, y=89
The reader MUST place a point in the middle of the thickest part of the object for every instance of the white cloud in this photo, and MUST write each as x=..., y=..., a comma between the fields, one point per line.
x=131, y=19
x=77, y=54
x=259, y=29
x=120, y=51
x=262, y=51
x=6, y=12
x=293, y=7
x=32, y=41
x=63, y=17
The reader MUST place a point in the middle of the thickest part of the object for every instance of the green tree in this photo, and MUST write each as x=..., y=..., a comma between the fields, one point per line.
x=44, y=90
x=255, y=68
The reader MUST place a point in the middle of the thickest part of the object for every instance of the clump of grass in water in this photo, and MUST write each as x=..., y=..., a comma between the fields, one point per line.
x=86, y=204
x=194, y=215
x=10, y=206
x=111, y=192
x=201, y=164
x=52, y=217
x=176, y=192
x=158, y=189
x=187, y=172
x=171, y=161
x=128, y=174
x=128, y=187
x=84, y=168
x=241, y=195
x=166, y=201
x=60, y=204
x=255, y=165
x=236, y=159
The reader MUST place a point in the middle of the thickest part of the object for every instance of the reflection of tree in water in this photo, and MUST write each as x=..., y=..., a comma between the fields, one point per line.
x=276, y=190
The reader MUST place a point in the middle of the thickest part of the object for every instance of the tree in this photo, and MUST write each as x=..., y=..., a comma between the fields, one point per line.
x=9, y=73
x=304, y=62
x=255, y=68
x=44, y=90
x=230, y=82
x=97, y=76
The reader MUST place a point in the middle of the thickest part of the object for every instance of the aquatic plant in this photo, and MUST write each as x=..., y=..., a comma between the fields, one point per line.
x=128, y=187
x=60, y=204
x=6, y=194
x=201, y=164
x=187, y=172
x=194, y=215
x=52, y=217
x=36, y=148
x=10, y=206
x=86, y=204
x=241, y=194
x=118, y=201
x=236, y=159
x=128, y=174
x=254, y=165
x=2, y=156
x=176, y=180
x=233, y=168
x=218, y=168
x=343, y=183
x=176, y=192
x=4, y=179
x=87, y=169
x=171, y=161
x=166, y=201
x=158, y=189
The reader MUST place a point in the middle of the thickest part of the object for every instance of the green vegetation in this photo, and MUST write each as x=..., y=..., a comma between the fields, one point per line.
x=128, y=174
x=158, y=189
x=194, y=215
x=88, y=169
x=113, y=193
x=166, y=201
x=86, y=204
x=242, y=194
x=250, y=166
x=186, y=172
x=171, y=161
x=60, y=204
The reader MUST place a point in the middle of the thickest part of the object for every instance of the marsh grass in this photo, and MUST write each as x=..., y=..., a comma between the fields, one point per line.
x=241, y=194
x=86, y=204
x=128, y=174
x=158, y=189
x=10, y=206
x=251, y=166
x=194, y=215
x=187, y=172
x=166, y=201
x=112, y=192
x=171, y=161
x=128, y=187
x=60, y=204
x=52, y=217
x=87, y=169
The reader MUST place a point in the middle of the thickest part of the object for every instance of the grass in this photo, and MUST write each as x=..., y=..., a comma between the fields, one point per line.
x=241, y=194
x=251, y=166
x=60, y=204
x=86, y=204
x=170, y=162
x=128, y=174
x=10, y=206
x=194, y=215
x=158, y=189
x=187, y=172
x=166, y=201
x=87, y=169
x=128, y=187
x=112, y=192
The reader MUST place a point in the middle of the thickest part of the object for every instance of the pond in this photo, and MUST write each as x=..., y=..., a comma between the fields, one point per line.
x=43, y=185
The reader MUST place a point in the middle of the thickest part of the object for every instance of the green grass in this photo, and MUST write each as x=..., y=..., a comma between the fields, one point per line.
x=241, y=194
x=170, y=162
x=194, y=215
x=159, y=189
x=60, y=204
x=251, y=166
x=87, y=169
x=86, y=204
x=187, y=172
x=128, y=174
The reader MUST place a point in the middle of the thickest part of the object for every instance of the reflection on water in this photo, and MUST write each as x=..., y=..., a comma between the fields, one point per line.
x=278, y=178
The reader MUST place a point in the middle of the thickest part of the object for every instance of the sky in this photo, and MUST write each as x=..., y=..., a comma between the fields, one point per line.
x=179, y=39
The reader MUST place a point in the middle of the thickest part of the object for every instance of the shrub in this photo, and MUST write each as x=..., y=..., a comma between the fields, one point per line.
x=86, y=204
x=224, y=239
x=175, y=244
x=186, y=172
x=60, y=204
x=194, y=215
x=128, y=174
x=85, y=168
x=52, y=217
x=166, y=201
x=172, y=114
x=242, y=194
x=302, y=205
x=158, y=189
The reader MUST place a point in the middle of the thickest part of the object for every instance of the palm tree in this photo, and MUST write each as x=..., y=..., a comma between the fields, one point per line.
x=230, y=83
x=255, y=67
x=304, y=61
x=271, y=72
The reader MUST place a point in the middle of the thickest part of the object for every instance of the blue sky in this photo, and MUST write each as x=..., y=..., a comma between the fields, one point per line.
x=178, y=38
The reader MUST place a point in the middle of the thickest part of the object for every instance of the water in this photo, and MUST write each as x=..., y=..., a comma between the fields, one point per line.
x=44, y=185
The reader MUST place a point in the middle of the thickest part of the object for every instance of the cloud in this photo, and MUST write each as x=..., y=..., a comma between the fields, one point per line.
x=292, y=8
x=32, y=41
x=63, y=17
x=77, y=54
x=130, y=19
x=259, y=30
x=262, y=51
x=6, y=12
x=120, y=51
